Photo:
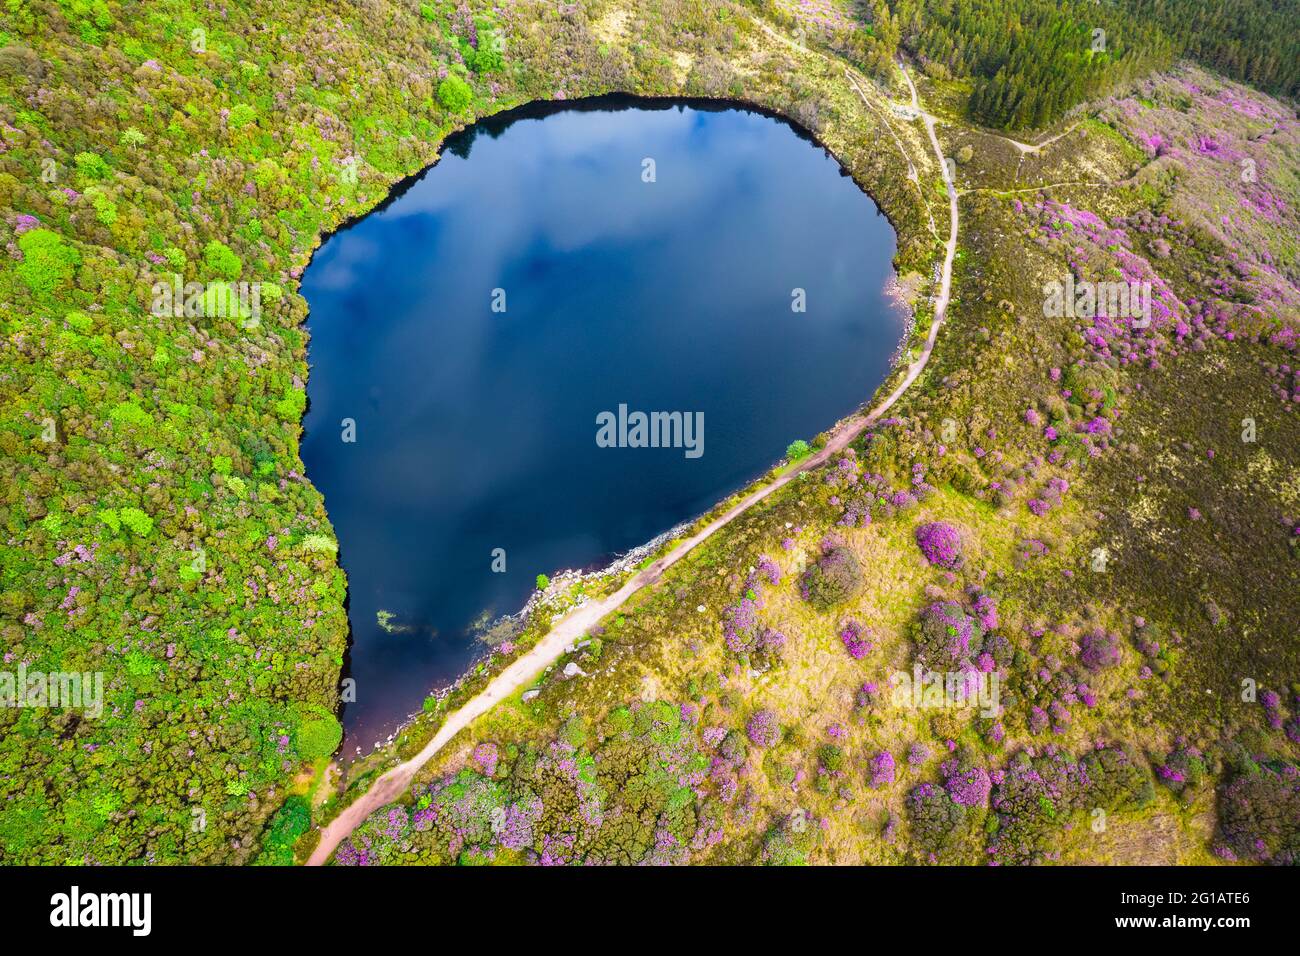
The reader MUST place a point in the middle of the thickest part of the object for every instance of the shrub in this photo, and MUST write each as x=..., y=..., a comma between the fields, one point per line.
x=574, y=731
x=128, y=413
x=485, y=757
x=969, y=788
x=938, y=823
x=319, y=737
x=733, y=747
x=789, y=841
x=835, y=578
x=763, y=728
x=856, y=640
x=882, y=770
x=740, y=625
x=830, y=757
x=110, y=517
x=319, y=544
x=221, y=261
x=797, y=450
x=1030, y=799
x=241, y=115
x=455, y=94
x=136, y=521
x=290, y=822
x=1099, y=650
x=1183, y=771
x=940, y=543
x=488, y=56
x=92, y=166
x=1259, y=816
x=48, y=262
x=771, y=646
x=947, y=635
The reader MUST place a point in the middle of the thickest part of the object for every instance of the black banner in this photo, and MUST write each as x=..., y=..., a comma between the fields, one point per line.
x=334, y=906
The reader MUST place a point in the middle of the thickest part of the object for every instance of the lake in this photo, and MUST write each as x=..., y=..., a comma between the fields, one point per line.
x=488, y=336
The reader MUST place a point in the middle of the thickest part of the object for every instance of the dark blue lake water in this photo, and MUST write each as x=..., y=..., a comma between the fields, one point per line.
x=476, y=429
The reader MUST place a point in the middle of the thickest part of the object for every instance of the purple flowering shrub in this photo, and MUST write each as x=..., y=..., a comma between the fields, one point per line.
x=1099, y=649
x=1259, y=815
x=881, y=771
x=868, y=696
x=485, y=756
x=996, y=652
x=1271, y=701
x=763, y=728
x=856, y=639
x=381, y=840
x=1055, y=691
x=741, y=629
x=836, y=577
x=1038, y=720
x=1183, y=772
x=740, y=624
x=734, y=748
x=947, y=820
x=946, y=636
x=940, y=544
x=1035, y=795
x=863, y=495
x=985, y=609
x=968, y=788
x=639, y=791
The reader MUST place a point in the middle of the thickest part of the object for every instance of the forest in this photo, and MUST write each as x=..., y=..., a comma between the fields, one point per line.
x=1031, y=61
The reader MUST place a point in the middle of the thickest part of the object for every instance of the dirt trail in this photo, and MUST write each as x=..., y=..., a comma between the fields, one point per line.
x=1026, y=148
x=574, y=625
